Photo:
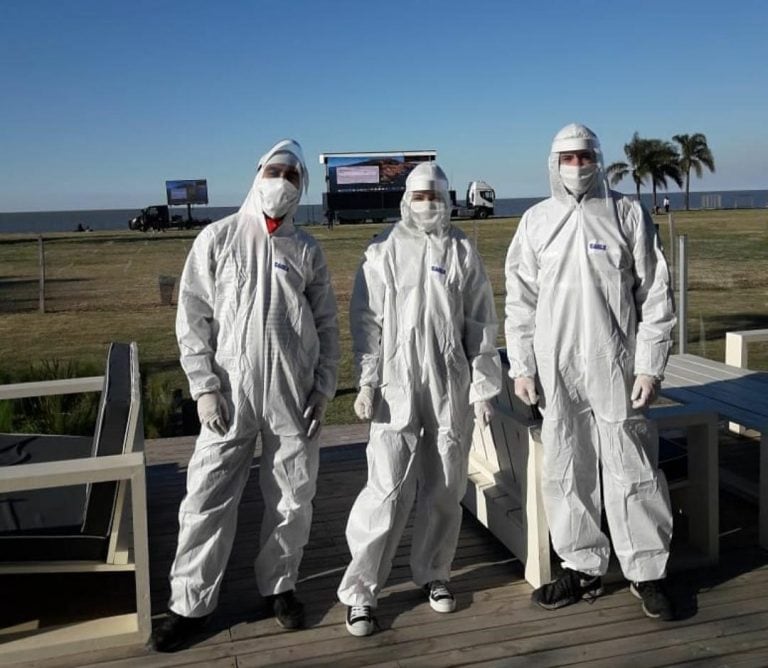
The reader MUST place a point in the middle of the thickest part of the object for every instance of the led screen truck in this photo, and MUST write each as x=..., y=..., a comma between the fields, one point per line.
x=367, y=187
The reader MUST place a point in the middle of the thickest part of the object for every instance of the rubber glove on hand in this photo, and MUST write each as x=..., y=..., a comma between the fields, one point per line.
x=643, y=391
x=316, y=405
x=364, y=403
x=483, y=412
x=525, y=389
x=213, y=412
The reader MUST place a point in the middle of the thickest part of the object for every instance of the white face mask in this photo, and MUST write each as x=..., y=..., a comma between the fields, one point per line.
x=578, y=179
x=277, y=197
x=429, y=216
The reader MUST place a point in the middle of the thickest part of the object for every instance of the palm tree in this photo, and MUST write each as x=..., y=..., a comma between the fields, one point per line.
x=663, y=163
x=637, y=165
x=694, y=153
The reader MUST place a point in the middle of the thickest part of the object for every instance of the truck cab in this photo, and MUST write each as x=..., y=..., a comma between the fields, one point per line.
x=158, y=217
x=480, y=199
x=479, y=204
x=155, y=217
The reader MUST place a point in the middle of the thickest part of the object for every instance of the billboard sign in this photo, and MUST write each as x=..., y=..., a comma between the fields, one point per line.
x=187, y=191
x=371, y=172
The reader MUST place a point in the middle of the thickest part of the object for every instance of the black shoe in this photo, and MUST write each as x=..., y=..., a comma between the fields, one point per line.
x=656, y=603
x=360, y=620
x=177, y=632
x=440, y=597
x=571, y=587
x=288, y=610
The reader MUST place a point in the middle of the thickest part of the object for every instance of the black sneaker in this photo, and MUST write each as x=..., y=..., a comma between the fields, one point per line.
x=288, y=610
x=440, y=597
x=177, y=632
x=656, y=603
x=571, y=587
x=360, y=620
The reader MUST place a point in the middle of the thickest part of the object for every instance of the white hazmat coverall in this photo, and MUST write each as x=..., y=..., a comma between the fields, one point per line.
x=257, y=322
x=424, y=326
x=588, y=307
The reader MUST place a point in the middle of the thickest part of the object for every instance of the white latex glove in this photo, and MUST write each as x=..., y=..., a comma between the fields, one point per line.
x=316, y=405
x=525, y=389
x=364, y=403
x=643, y=391
x=213, y=412
x=483, y=412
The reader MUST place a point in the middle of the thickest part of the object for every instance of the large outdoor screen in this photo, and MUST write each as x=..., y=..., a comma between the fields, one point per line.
x=383, y=173
x=193, y=191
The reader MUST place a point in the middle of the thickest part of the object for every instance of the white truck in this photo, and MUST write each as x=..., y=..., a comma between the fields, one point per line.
x=479, y=204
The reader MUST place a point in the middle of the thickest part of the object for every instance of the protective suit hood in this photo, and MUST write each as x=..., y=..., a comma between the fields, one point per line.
x=426, y=176
x=252, y=206
x=576, y=137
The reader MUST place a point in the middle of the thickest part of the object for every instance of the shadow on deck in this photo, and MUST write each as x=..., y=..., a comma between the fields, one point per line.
x=725, y=609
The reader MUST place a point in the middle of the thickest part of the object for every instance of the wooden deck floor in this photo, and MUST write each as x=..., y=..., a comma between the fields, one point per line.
x=725, y=610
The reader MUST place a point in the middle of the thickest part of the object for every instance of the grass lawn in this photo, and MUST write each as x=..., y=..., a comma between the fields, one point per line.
x=103, y=286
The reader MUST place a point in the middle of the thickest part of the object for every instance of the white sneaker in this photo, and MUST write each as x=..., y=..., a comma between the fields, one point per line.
x=359, y=620
x=440, y=597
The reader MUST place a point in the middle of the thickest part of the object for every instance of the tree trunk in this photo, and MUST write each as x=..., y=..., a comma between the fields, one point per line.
x=687, y=187
x=655, y=205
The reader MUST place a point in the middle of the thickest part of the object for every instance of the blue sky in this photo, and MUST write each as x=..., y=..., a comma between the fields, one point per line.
x=101, y=102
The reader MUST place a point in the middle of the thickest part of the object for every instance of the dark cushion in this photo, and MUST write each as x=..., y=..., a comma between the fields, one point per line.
x=74, y=522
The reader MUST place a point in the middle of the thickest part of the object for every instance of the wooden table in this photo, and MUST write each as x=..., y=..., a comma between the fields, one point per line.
x=736, y=394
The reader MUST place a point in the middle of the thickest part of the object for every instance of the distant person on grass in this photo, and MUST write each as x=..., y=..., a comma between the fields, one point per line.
x=589, y=316
x=258, y=334
x=423, y=325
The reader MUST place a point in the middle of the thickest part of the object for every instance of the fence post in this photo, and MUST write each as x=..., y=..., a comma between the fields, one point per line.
x=41, y=264
x=671, y=223
x=682, y=287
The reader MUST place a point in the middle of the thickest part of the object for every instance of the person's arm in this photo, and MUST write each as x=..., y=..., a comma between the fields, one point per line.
x=653, y=298
x=521, y=270
x=366, y=310
x=322, y=301
x=194, y=317
x=480, y=329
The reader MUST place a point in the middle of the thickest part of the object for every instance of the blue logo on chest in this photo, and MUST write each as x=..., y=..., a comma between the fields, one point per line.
x=438, y=270
x=593, y=245
x=282, y=266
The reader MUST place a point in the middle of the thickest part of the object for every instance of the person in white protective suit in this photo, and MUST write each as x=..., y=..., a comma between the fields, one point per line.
x=258, y=334
x=589, y=315
x=424, y=327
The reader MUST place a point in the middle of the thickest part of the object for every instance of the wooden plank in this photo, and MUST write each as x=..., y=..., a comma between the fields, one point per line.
x=712, y=646
x=739, y=391
x=91, y=634
x=500, y=636
x=587, y=639
x=736, y=414
x=719, y=369
x=51, y=387
x=12, y=568
x=70, y=472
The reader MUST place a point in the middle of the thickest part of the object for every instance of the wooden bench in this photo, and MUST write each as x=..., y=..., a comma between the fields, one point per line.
x=735, y=394
x=504, y=491
x=737, y=354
